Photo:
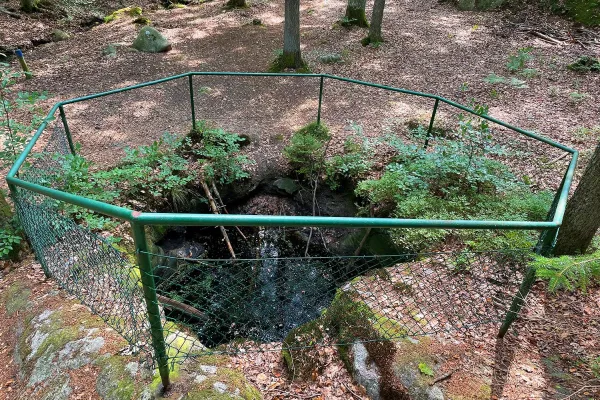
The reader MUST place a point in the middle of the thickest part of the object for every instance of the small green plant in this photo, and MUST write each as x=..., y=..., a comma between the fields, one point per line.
x=494, y=79
x=530, y=73
x=595, y=367
x=425, y=369
x=9, y=240
x=15, y=133
x=577, y=97
x=568, y=273
x=517, y=62
x=585, y=64
x=306, y=150
x=584, y=133
x=354, y=163
x=464, y=87
x=133, y=11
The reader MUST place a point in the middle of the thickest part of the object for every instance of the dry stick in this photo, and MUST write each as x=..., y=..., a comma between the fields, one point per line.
x=442, y=378
x=10, y=13
x=314, y=201
x=362, y=242
x=214, y=188
x=545, y=37
x=215, y=210
x=166, y=301
x=558, y=158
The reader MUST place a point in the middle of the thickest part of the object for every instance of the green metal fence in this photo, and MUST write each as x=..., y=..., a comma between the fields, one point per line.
x=219, y=305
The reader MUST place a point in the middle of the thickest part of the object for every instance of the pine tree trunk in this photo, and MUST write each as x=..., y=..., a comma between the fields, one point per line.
x=376, y=20
x=355, y=13
x=291, y=57
x=582, y=216
x=28, y=5
x=236, y=3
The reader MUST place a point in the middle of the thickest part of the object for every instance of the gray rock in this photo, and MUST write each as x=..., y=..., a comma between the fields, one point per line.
x=480, y=5
x=200, y=378
x=220, y=387
x=418, y=388
x=59, y=388
x=435, y=393
x=58, y=35
x=365, y=374
x=77, y=353
x=110, y=51
x=287, y=185
x=132, y=368
x=149, y=40
x=330, y=58
x=209, y=369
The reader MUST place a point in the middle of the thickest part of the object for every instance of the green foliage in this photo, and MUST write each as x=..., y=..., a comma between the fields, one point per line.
x=154, y=174
x=517, y=62
x=354, y=163
x=577, y=97
x=568, y=273
x=9, y=240
x=453, y=179
x=493, y=79
x=585, y=64
x=16, y=133
x=306, y=150
x=425, y=369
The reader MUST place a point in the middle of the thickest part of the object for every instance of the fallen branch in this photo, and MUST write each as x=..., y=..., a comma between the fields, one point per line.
x=168, y=302
x=214, y=188
x=9, y=13
x=362, y=242
x=215, y=210
x=442, y=378
x=545, y=37
x=558, y=158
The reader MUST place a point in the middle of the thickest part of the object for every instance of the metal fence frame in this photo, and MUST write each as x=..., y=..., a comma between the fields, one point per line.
x=549, y=228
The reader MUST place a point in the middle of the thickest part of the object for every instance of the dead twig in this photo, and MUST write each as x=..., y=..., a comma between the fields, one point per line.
x=352, y=392
x=168, y=302
x=442, y=378
x=214, y=188
x=215, y=210
x=545, y=37
x=9, y=13
x=558, y=158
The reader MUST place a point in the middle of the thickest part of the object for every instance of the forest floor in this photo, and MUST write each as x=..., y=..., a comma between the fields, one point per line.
x=430, y=47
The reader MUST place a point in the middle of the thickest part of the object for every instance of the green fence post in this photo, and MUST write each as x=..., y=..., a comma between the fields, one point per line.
x=435, y=106
x=147, y=277
x=320, y=101
x=63, y=117
x=190, y=79
x=544, y=247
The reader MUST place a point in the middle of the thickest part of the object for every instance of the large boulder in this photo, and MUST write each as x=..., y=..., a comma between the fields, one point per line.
x=149, y=40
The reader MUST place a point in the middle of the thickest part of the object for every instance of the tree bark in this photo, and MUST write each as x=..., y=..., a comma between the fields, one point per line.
x=28, y=5
x=236, y=3
x=291, y=57
x=376, y=20
x=582, y=216
x=355, y=13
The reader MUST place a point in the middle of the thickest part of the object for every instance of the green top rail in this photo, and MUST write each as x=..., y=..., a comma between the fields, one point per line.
x=289, y=221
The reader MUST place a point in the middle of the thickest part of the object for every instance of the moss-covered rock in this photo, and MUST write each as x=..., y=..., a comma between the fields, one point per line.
x=149, y=40
x=116, y=380
x=299, y=353
x=16, y=298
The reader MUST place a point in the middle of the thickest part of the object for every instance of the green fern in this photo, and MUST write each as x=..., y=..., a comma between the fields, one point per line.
x=569, y=273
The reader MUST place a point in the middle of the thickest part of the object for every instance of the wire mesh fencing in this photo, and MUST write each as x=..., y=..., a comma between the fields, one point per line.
x=244, y=305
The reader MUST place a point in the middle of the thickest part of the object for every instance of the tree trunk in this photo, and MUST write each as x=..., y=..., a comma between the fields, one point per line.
x=376, y=20
x=28, y=5
x=355, y=13
x=291, y=57
x=236, y=4
x=582, y=217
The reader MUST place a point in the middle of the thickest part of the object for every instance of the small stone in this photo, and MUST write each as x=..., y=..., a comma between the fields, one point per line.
x=132, y=367
x=287, y=185
x=109, y=51
x=200, y=378
x=149, y=40
x=435, y=393
x=262, y=378
x=220, y=387
x=209, y=369
x=58, y=35
x=330, y=58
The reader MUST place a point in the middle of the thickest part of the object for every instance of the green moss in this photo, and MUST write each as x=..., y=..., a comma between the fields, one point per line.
x=302, y=361
x=131, y=11
x=232, y=378
x=59, y=334
x=355, y=16
x=16, y=298
x=289, y=61
x=114, y=381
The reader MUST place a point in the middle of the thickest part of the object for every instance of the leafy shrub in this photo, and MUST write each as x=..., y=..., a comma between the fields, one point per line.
x=306, y=150
x=585, y=64
x=453, y=179
x=354, y=163
x=569, y=273
x=155, y=174
x=517, y=62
